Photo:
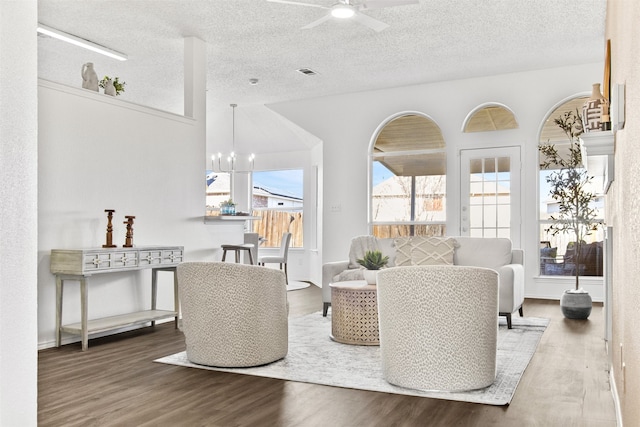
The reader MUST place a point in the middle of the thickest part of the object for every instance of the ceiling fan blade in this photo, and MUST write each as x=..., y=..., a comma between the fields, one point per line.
x=379, y=4
x=297, y=3
x=326, y=17
x=368, y=21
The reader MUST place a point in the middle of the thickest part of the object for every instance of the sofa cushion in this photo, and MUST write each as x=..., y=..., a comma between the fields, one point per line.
x=403, y=251
x=483, y=252
x=432, y=250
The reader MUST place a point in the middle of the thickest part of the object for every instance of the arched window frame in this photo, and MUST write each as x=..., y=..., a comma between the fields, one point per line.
x=481, y=107
x=552, y=248
x=412, y=226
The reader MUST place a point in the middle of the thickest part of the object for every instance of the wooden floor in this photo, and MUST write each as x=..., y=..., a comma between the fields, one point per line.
x=115, y=383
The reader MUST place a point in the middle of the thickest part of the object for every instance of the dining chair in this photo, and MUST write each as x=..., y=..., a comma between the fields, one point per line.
x=281, y=258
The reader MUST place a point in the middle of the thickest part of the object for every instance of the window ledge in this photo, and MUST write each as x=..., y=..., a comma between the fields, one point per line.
x=218, y=218
x=552, y=287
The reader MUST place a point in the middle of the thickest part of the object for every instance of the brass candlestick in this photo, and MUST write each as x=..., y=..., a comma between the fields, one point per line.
x=109, y=243
x=128, y=241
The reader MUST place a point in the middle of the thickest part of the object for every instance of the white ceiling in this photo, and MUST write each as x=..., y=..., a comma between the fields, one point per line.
x=434, y=40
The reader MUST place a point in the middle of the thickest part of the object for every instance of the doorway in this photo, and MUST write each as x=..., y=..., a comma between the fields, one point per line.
x=490, y=193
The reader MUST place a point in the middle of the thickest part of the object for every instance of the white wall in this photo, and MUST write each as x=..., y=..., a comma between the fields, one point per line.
x=315, y=248
x=623, y=214
x=346, y=125
x=18, y=214
x=97, y=153
x=147, y=163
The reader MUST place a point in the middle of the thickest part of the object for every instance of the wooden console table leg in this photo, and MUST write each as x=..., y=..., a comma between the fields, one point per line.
x=154, y=291
x=83, y=309
x=176, y=299
x=59, y=289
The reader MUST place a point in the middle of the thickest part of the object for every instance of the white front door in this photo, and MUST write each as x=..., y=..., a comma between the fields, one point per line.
x=490, y=193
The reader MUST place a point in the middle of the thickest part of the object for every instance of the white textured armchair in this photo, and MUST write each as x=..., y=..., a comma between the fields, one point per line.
x=438, y=326
x=233, y=315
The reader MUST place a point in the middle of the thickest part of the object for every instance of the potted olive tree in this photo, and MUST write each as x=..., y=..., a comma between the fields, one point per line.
x=569, y=186
x=372, y=262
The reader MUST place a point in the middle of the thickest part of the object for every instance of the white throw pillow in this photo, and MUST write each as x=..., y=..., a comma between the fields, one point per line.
x=360, y=245
x=432, y=250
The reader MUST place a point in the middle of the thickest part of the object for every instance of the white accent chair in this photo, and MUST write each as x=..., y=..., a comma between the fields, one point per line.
x=233, y=315
x=282, y=257
x=438, y=326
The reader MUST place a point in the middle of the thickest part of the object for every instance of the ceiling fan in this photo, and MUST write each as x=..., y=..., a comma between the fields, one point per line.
x=351, y=9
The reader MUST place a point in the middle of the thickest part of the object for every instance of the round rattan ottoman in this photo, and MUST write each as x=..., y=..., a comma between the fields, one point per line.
x=354, y=313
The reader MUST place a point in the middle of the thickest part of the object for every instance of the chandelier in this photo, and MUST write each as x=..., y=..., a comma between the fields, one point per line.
x=231, y=158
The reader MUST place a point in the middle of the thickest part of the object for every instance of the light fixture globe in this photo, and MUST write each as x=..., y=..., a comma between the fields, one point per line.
x=342, y=11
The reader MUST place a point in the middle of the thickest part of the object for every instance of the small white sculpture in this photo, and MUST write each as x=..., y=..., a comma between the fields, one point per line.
x=89, y=77
x=109, y=88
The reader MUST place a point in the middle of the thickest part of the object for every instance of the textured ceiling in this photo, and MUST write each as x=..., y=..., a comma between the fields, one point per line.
x=434, y=40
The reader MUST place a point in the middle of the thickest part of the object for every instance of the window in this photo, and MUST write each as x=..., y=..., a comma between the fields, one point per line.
x=218, y=190
x=408, y=179
x=278, y=200
x=556, y=251
x=490, y=197
x=490, y=117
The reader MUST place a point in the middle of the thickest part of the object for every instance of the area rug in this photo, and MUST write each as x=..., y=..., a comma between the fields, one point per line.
x=294, y=285
x=314, y=358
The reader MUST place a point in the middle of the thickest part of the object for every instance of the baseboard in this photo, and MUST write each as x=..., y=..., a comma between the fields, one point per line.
x=616, y=397
x=70, y=339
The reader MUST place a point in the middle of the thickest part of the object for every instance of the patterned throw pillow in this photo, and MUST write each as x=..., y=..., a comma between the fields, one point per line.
x=403, y=251
x=432, y=250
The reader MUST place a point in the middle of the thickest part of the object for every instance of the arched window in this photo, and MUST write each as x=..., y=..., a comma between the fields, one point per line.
x=490, y=117
x=556, y=250
x=408, y=178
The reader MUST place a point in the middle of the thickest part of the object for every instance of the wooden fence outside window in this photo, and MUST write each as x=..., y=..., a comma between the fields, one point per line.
x=274, y=223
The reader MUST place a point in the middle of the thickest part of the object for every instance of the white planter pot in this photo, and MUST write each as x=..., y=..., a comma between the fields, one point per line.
x=370, y=276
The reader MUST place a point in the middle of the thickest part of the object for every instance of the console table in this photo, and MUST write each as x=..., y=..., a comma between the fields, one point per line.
x=80, y=264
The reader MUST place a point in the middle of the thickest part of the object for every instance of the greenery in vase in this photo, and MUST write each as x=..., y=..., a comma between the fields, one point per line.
x=117, y=84
x=228, y=207
x=373, y=260
x=569, y=186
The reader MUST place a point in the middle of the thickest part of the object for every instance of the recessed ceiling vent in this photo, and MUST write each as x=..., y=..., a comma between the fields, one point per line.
x=307, y=71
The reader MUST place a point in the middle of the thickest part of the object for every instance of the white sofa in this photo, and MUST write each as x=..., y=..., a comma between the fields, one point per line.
x=494, y=253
